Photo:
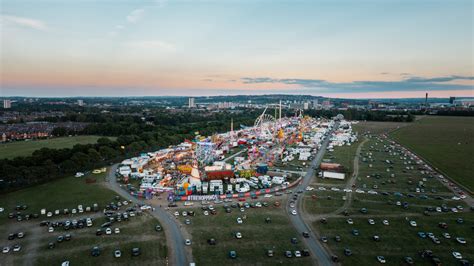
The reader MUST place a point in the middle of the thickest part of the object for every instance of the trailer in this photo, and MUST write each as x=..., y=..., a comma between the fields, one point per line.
x=334, y=175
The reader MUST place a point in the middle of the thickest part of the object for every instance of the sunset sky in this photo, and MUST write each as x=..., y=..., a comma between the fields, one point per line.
x=358, y=49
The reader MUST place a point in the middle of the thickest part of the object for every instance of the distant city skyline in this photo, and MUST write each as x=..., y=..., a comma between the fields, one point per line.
x=341, y=48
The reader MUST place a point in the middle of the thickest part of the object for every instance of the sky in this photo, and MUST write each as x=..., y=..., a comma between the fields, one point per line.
x=334, y=48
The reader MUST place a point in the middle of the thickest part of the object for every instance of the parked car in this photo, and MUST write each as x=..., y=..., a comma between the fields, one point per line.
x=117, y=253
x=136, y=252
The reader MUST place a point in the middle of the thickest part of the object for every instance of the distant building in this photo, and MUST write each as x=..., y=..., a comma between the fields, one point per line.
x=80, y=102
x=191, y=103
x=451, y=100
x=306, y=106
x=315, y=103
x=7, y=104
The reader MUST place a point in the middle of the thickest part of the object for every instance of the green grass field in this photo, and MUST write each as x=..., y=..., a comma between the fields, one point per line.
x=58, y=194
x=25, y=148
x=446, y=142
x=399, y=239
x=258, y=237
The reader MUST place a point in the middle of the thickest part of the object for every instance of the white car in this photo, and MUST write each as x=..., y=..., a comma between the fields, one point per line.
x=455, y=198
x=117, y=253
x=1, y=209
x=347, y=190
x=268, y=196
x=65, y=263
x=349, y=221
x=176, y=213
x=413, y=223
x=385, y=222
x=371, y=221
x=297, y=254
x=6, y=250
x=293, y=212
x=308, y=188
x=89, y=222
x=372, y=192
x=108, y=231
x=49, y=214
x=381, y=259
x=184, y=213
x=206, y=213
x=50, y=229
x=117, y=230
x=187, y=242
x=335, y=189
x=239, y=220
x=457, y=255
x=360, y=191
x=322, y=188
x=462, y=196
x=238, y=235
x=16, y=248
x=447, y=235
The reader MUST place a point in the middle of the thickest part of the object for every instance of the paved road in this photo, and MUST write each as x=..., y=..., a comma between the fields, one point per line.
x=174, y=236
x=319, y=253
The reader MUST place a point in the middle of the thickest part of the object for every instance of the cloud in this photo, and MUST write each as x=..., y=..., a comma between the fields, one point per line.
x=135, y=15
x=23, y=22
x=409, y=84
x=439, y=79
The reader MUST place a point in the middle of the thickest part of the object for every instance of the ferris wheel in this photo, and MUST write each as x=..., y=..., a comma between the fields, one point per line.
x=265, y=124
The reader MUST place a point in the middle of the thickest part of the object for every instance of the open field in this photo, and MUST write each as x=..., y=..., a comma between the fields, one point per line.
x=63, y=193
x=25, y=148
x=258, y=237
x=377, y=127
x=399, y=239
x=446, y=142
x=138, y=231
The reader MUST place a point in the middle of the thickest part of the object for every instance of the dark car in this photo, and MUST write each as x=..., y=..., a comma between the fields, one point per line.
x=60, y=239
x=305, y=252
x=51, y=245
x=98, y=232
x=232, y=254
x=95, y=251
x=334, y=258
x=211, y=241
x=288, y=254
x=67, y=237
x=409, y=260
x=158, y=228
x=347, y=252
x=305, y=234
x=294, y=240
x=136, y=252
